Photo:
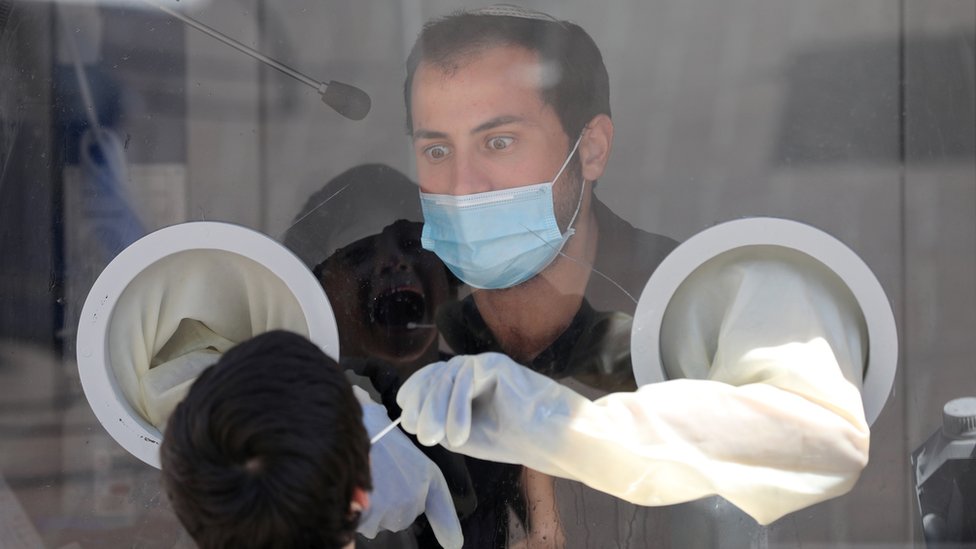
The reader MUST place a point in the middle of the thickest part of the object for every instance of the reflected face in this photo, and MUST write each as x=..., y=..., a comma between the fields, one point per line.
x=385, y=290
x=483, y=126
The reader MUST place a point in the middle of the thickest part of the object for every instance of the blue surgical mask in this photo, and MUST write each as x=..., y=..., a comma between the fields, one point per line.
x=496, y=239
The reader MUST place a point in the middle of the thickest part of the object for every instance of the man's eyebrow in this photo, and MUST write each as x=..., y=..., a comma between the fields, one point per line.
x=485, y=126
x=497, y=121
x=428, y=134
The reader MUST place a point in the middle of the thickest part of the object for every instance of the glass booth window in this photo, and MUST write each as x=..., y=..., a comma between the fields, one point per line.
x=433, y=273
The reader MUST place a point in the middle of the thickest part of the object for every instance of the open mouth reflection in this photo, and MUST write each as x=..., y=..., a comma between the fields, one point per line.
x=398, y=308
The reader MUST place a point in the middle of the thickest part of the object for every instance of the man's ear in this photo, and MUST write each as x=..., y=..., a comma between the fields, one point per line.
x=594, y=148
x=360, y=500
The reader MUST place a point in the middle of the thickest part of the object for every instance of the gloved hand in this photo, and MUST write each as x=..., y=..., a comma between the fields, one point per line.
x=489, y=407
x=777, y=426
x=385, y=380
x=405, y=483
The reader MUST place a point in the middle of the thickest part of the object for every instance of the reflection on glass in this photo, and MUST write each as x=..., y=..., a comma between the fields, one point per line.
x=855, y=119
x=385, y=290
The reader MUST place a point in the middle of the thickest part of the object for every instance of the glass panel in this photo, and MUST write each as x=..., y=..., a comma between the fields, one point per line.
x=120, y=118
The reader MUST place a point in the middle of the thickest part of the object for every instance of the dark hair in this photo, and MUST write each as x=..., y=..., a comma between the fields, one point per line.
x=267, y=449
x=581, y=90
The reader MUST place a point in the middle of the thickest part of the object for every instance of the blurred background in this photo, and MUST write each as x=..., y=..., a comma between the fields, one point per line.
x=856, y=117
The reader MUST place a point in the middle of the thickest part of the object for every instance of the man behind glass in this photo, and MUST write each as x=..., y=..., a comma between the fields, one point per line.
x=502, y=100
x=510, y=122
x=500, y=103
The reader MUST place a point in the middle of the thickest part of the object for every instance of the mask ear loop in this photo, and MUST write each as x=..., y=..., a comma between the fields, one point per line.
x=586, y=265
x=570, y=156
x=569, y=228
x=571, y=231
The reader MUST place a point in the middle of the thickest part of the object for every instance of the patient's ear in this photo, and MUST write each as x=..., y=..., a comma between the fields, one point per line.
x=360, y=501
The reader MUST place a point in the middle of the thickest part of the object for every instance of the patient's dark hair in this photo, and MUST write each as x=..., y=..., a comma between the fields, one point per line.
x=267, y=449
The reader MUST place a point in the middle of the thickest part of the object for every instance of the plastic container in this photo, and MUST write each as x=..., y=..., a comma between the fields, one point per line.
x=945, y=478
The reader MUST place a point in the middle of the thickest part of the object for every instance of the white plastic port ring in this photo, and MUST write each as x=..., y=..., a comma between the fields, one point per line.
x=696, y=251
x=136, y=295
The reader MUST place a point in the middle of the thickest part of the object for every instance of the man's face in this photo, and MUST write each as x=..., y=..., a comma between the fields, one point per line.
x=485, y=127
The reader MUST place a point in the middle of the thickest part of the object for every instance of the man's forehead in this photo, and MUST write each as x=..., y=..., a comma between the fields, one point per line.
x=518, y=65
x=509, y=78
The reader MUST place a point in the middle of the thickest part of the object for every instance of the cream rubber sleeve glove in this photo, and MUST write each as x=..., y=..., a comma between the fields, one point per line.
x=180, y=314
x=776, y=425
x=405, y=483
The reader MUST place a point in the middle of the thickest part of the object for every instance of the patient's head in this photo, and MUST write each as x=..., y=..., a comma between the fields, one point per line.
x=268, y=449
x=385, y=290
x=361, y=235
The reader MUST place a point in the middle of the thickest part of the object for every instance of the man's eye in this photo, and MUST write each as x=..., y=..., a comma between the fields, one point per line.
x=500, y=143
x=436, y=152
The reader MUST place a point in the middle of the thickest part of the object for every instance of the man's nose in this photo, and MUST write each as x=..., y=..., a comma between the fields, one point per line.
x=470, y=176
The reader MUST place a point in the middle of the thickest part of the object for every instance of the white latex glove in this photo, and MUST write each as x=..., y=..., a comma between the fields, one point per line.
x=780, y=430
x=405, y=483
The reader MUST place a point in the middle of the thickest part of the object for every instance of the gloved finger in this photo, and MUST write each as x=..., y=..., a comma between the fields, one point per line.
x=432, y=416
x=440, y=512
x=457, y=420
x=369, y=523
x=413, y=392
x=400, y=474
x=374, y=415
